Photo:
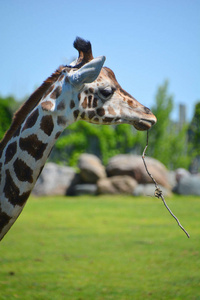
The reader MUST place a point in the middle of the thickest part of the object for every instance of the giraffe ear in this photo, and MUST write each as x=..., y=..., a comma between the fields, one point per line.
x=88, y=72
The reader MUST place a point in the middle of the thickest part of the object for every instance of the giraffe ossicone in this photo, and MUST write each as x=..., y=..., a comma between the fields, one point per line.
x=84, y=90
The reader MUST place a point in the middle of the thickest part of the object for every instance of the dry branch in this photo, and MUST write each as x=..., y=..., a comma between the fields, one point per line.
x=158, y=192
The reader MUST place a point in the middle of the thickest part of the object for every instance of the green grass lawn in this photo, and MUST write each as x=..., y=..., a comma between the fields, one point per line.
x=111, y=247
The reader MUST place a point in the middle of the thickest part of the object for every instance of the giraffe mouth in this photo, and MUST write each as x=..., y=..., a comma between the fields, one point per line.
x=144, y=124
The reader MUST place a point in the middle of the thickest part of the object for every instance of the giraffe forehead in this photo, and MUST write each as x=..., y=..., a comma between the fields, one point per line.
x=103, y=80
x=109, y=76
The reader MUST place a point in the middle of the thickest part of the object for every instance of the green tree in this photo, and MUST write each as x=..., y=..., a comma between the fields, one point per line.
x=194, y=139
x=194, y=130
x=167, y=142
x=7, y=106
x=160, y=134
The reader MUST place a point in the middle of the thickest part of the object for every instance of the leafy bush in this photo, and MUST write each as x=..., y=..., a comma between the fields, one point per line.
x=102, y=140
x=7, y=105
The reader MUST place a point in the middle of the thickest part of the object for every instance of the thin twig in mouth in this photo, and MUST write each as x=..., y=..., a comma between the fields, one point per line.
x=158, y=191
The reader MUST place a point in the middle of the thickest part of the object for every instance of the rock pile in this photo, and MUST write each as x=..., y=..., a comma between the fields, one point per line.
x=91, y=168
x=132, y=165
x=54, y=180
x=116, y=185
x=187, y=184
x=124, y=174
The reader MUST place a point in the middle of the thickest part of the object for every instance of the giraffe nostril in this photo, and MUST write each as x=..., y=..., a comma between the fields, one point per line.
x=147, y=110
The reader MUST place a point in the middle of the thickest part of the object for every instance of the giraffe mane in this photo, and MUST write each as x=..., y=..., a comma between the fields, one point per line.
x=28, y=106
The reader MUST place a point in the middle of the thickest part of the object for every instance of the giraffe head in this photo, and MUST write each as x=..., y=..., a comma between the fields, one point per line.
x=97, y=96
x=84, y=90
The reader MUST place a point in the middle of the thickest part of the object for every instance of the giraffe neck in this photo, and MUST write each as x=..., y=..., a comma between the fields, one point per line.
x=25, y=154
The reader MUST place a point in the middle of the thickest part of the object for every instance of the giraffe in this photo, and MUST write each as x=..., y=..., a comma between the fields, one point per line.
x=83, y=90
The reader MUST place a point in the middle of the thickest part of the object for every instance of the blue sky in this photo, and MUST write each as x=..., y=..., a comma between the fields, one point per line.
x=145, y=43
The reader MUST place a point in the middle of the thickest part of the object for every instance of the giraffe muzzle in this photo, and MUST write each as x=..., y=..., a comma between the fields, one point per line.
x=144, y=124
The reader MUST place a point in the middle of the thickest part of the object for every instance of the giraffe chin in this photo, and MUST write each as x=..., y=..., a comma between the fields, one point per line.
x=142, y=125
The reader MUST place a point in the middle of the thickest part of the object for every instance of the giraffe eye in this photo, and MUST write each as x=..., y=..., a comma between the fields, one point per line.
x=106, y=92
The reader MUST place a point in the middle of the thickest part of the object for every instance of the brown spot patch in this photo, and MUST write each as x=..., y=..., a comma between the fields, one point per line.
x=96, y=120
x=99, y=79
x=76, y=113
x=108, y=120
x=90, y=101
x=30, y=122
x=4, y=219
x=22, y=171
x=117, y=119
x=10, y=152
x=58, y=134
x=79, y=96
x=56, y=93
x=95, y=102
x=111, y=111
x=47, y=125
x=61, y=121
x=33, y=146
x=61, y=106
x=91, y=90
x=101, y=112
x=91, y=114
x=47, y=105
x=83, y=115
x=84, y=104
x=17, y=132
x=66, y=79
x=11, y=191
x=72, y=104
x=131, y=103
